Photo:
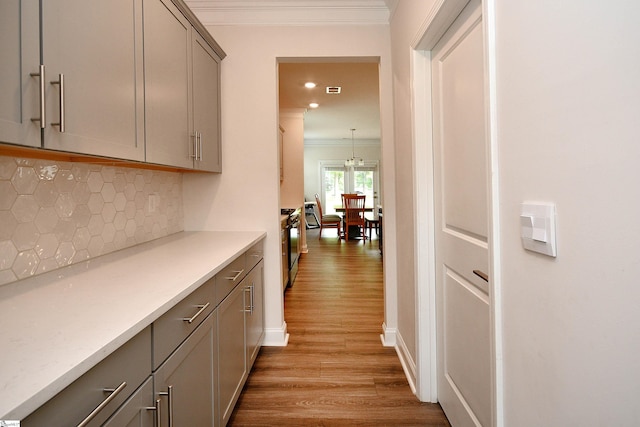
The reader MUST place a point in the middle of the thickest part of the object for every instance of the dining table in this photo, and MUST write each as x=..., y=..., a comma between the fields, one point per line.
x=354, y=231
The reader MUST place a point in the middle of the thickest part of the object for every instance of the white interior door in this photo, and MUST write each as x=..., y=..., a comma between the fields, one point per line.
x=461, y=214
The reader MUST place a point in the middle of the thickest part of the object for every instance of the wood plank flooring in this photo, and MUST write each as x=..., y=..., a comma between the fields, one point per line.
x=335, y=371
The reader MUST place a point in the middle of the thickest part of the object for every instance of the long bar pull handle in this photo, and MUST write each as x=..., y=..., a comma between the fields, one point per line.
x=202, y=308
x=41, y=119
x=195, y=146
x=200, y=145
x=238, y=273
x=169, y=394
x=105, y=402
x=482, y=275
x=60, y=83
x=253, y=289
x=157, y=409
x=247, y=309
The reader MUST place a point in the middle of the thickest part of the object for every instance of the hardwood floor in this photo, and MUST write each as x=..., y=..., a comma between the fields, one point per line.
x=335, y=371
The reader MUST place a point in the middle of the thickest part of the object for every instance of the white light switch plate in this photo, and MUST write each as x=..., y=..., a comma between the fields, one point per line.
x=538, y=227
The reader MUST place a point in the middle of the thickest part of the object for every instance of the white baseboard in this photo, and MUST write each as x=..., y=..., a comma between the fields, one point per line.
x=388, y=336
x=408, y=364
x=276, y=337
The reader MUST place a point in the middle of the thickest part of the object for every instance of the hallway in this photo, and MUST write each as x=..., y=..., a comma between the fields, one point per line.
x=334, y=372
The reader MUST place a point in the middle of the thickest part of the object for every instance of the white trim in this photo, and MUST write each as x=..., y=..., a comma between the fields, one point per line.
x=426, y=378
x=408, y=364
x=495, y=295
x=290, y=12
x=388, y=336
x=276, y=337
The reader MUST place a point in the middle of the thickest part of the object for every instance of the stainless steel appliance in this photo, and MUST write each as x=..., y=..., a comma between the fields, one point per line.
x=293, y=233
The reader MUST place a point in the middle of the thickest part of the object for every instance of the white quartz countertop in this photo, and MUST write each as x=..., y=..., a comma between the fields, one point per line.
x=56, y=326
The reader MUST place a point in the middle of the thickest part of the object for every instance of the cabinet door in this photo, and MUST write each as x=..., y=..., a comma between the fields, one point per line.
x=231, y=349
x=20, y=50
x=135, y=412
x=206, y=105
x=185, y=382
x=97, y=47
x=254, y=313
x=168, y=107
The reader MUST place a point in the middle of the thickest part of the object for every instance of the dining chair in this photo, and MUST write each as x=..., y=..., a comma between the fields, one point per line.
x=354, y=214
x=327, y=221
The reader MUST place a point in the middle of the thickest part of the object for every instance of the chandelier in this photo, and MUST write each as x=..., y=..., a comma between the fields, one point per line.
x=353, y=160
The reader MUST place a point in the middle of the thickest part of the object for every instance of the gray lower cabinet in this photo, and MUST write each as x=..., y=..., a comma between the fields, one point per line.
x=231, y=343
x=184, y=383
x=138, y=411
x=110, y=382
x=186, y=369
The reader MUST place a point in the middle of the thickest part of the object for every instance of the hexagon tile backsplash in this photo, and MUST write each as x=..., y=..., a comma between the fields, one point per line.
x=54, y=214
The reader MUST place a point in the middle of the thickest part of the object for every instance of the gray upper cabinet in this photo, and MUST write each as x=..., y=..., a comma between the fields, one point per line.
x=20, y=56
x=182, y=101
x=96, y=48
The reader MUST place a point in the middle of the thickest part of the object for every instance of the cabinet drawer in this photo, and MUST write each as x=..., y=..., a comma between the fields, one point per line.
x=129, y=365
x=178, y=323
x=228, y=278
x=254, y=255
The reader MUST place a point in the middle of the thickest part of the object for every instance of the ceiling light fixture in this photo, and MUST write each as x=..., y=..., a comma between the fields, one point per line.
x=309, y=85
x=314, y=105
x=353, y=161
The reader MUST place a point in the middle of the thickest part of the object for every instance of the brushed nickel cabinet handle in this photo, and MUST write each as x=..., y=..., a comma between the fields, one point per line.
x=202, y=308
x=105, y=402
x=41, y=119
x=238, y=273
x=482, y=275
x=60, y=83
x=157, y=409
x=169, y=394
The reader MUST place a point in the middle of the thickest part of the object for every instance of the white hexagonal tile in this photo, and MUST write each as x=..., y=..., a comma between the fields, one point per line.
x=108, y=212
x=81, y=215
x=81, y=238
x=25, y=236
x=46, y=220
x=141, y=200
x=81, y=193
x=64, y=254
x=95, y=182
x=95, y=203
x=9, y=225
x=108, y=192
x=108, y=173
x=130, y=191
x=81, y=171
x=9, y=254
x=45, y=170
x=8, y=195
x=65, y=181
x=46, y=246
x=8, y=167
x=130, y=228
x=130, y=210
x=26, y=264
x=22, y=161
x=81, y=255
x=96, y=244
x=120, y=239
x=47, y=264
x=96, y=225
x=139, y=182
x=119, y=182
x=65, y=205
x=7, y=276
x=25, y=180
x=25, y=208
x=120, y=201
x=65, y=229
x=108, y=233
x=120, y=220
x=46, y=193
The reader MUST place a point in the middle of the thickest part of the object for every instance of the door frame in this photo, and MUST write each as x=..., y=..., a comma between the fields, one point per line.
x=441, y=17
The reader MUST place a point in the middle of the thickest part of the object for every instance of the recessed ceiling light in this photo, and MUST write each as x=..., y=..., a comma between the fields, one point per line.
x=314, y=105
x=309, y=85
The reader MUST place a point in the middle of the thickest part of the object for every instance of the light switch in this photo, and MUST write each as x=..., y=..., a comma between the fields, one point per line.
x=538, y=227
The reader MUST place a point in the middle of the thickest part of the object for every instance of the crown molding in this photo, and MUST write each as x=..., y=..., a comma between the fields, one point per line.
x=290, y=12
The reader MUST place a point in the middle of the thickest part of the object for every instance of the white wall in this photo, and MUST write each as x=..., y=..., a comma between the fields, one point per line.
x=246, y=194
x=568, y=106
x=292, y=186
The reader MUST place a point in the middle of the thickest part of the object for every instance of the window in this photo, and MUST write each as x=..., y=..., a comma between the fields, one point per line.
x=337, y=179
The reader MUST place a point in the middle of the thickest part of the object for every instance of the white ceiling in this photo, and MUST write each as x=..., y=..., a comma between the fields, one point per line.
x=358, y=104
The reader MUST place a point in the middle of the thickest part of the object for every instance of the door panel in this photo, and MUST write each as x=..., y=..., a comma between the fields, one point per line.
x=461, y=215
